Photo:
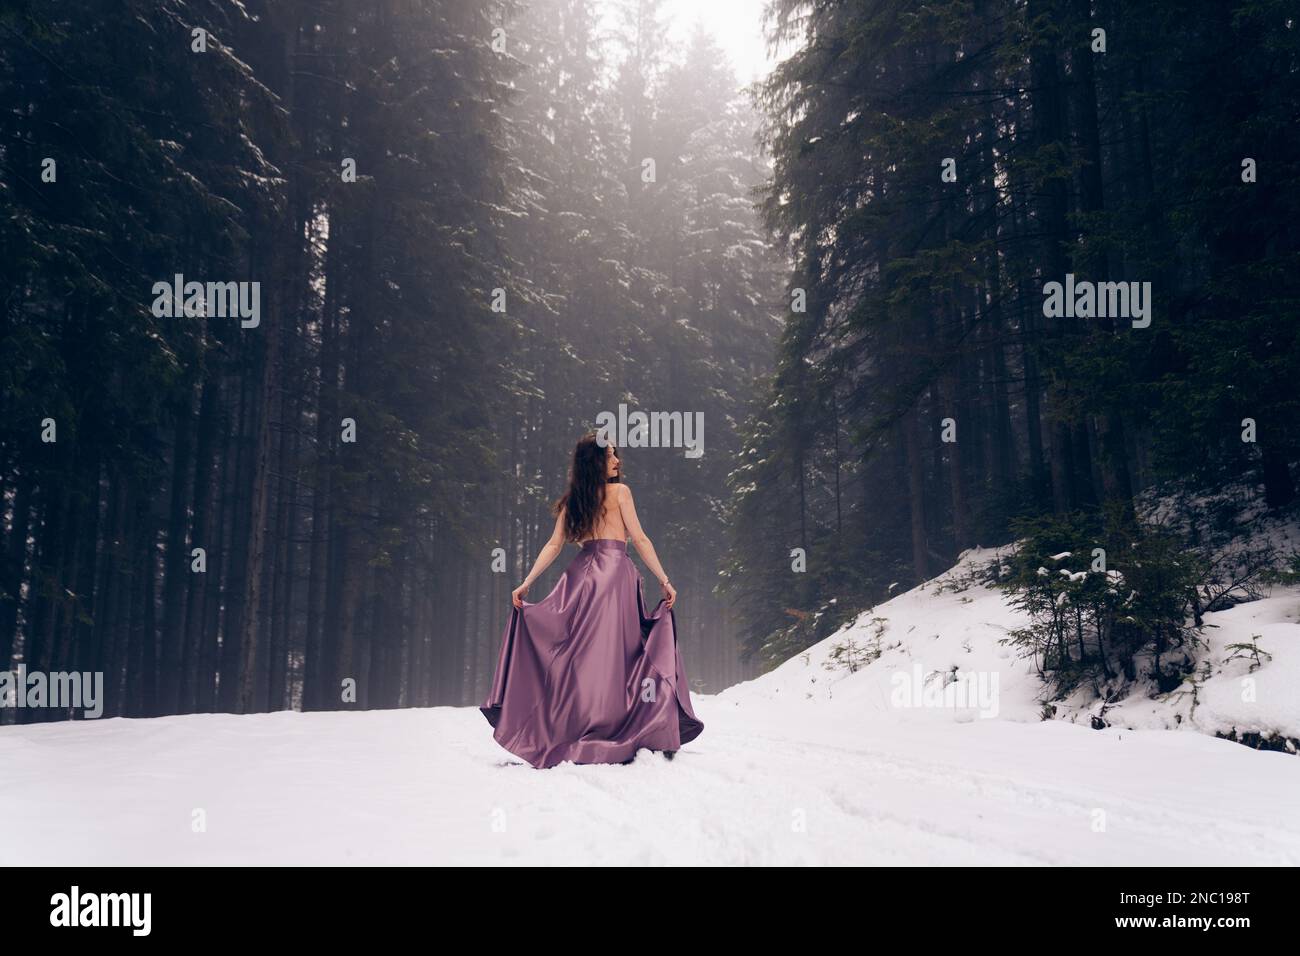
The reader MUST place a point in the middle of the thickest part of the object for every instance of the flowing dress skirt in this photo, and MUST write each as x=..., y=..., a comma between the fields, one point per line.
x=585, y=674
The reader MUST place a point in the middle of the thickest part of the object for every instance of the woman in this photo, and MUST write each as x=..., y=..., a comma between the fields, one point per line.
x=586, y=674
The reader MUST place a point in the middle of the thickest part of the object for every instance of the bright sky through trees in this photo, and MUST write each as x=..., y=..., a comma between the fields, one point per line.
x=737, y=25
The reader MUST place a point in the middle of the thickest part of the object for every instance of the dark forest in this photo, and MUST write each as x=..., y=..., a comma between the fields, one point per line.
x=949, y=275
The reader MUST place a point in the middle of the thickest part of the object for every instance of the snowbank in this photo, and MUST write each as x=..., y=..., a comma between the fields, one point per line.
x=949, y=631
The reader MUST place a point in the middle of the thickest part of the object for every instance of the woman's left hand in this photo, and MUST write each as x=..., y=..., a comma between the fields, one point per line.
x=670, y=593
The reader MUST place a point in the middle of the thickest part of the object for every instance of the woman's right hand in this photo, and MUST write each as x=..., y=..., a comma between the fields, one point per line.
x=670, y=593
x=517, y=595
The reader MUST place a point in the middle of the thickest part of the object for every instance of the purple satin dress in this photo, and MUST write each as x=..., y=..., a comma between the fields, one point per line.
x=585, y=674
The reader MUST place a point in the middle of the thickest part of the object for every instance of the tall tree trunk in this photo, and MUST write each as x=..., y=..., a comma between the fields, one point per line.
x=176, y=567
x=1112, y=446
x=916, y=493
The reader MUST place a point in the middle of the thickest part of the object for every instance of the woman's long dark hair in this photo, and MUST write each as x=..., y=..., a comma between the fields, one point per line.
x=581, y=504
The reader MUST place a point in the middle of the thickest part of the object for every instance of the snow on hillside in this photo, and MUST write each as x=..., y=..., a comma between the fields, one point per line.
x=947, y=625
x=944, y=637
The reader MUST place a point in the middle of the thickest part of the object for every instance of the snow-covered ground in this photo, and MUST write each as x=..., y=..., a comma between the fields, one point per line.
x=771, y=781
x=809, y=764
x=953, y=627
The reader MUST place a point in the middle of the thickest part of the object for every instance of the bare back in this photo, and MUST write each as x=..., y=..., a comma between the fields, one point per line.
x=609, y=524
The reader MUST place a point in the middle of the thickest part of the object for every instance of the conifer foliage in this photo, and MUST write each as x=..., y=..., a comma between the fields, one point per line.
x=1046, y=256
x=426, y=262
